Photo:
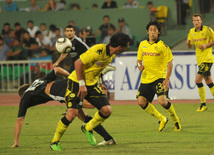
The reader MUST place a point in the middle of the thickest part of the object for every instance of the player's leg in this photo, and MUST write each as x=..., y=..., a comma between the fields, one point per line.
x=72, y=102
x=201, y=89
x=108, y=139
x=145, y=96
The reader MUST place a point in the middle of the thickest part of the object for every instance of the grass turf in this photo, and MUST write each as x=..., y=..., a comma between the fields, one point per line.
x=135, y=130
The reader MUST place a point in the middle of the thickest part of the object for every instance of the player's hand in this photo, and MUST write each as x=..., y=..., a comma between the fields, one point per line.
x=188, y=42
x=104, y=88
x=202, y=46
x=15, y=145
x=82, y=92
x=166, y=84
x=141, y=67
x=55, y=65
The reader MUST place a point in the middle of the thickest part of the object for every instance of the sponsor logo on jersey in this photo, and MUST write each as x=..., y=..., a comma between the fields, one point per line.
x=200, y=39
x=151, y=54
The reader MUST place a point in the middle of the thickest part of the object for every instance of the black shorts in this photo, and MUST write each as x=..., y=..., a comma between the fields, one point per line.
x=149, y=90
x=204, y=69
x=95, y=96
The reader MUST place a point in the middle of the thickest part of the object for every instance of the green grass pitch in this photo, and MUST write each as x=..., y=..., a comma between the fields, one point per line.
x=135, y=130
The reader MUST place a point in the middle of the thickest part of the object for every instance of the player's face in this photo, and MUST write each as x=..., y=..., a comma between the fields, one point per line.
x=69, y=32
x=197, y=22
x=153, y=33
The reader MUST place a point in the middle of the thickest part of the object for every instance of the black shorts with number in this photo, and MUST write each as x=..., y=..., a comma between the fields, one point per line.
x=149, y=90
x=95, y=96
x=204, y=69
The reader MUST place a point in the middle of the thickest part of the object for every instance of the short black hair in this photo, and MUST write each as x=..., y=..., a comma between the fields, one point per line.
x=106, y=16
x=22, y=89
x=17, y=24
x=155, y=23
x=150, y=3
x=1, y=38
x=6, y=24
x=69, y=26
x=37, y=33
x=30, y=21
x=119, y=39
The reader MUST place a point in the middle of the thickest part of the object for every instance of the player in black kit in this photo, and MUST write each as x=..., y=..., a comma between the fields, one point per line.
x=78, y=47
x=42, y=91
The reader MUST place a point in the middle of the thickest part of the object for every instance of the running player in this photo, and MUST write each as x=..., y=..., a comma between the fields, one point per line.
x=82, y=83
x=203, y=38
x=43, y=90
x=154, y=58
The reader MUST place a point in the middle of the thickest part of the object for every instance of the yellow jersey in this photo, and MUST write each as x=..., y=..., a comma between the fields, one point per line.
x=155, y=57
x=204, y=36
x=95, y=60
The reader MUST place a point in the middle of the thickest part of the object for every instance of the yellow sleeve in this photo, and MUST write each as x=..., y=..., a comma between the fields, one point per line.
x=140, y=52
x=211, y=33
x=167, y=53
x=190, y=38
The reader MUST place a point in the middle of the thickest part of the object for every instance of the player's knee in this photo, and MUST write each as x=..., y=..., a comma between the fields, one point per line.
x=142, y=102
x=106, y=111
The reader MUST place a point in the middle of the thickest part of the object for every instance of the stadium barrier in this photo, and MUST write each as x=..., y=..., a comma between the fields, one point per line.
x=15, y=73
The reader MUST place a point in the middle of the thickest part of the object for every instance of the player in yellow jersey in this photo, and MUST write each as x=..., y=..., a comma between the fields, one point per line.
x=82, y=83
x=203, y=38
x=154, y=59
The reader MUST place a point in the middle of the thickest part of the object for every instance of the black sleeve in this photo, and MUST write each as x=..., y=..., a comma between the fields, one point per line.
x=50, y=76
x=23, y=106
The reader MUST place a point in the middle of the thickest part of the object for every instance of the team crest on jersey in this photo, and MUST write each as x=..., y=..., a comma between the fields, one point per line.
x=69, y=104
x=73, y=54
x=156, y=48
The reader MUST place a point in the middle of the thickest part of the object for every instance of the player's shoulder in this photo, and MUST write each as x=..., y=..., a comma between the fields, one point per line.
x=162, y=43
x=207, y=28
x=192, y=30
x=144, y=42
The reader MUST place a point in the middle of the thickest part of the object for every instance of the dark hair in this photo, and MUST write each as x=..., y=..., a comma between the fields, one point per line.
x=52, y=27
x=69, y=26
x=94, y=5
x=43, y=24
x=30, y=21
x=155, y=23
x=37, y=33
x=111, y=27
x=6, y=24
x=150, y=3
x=17, y=24
x=22, y=89
x=119, y=39
x=106, y=16
x=26, y=32
x=197, y=15
x=1, y=38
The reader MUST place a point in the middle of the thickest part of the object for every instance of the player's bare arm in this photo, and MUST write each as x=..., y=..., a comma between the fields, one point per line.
x=139, y=65
x=62, y=57
x=189, y=43
x=79, y=70
x=169, y=72
x=17, y=131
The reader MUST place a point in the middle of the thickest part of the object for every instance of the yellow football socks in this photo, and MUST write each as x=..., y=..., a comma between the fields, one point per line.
x=152, y=111
x=172, y=113
x=202, y=94
x=61, y=127
x=212, y=91
x=94, y=122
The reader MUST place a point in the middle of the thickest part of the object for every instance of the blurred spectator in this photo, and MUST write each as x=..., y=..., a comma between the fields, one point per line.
x=75, y=6
x=34, y=6
x=44, y=53
x=10, y=6
x=57, y=36
x=5, y=31
x=88, y=36
x=131, y=4
x=43, y=41
x=28, y=43
x=184, y=8
x=104, y=28
x=52, y=29
x=76, y=29
x=60, y=5
x=109, y=4
x=31, y=28
x=17, y=52
x=19, y=31
x=94, y=6
x=43, y=29
x=3, y=49
x=51, y=5
x=35, y=50
x=111, y=31
x=35, y=74
x=10, y=39
x=123, y=27
x=152, y=10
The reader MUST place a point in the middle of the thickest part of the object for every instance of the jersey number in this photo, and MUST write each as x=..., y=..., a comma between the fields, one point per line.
x=34, y=85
